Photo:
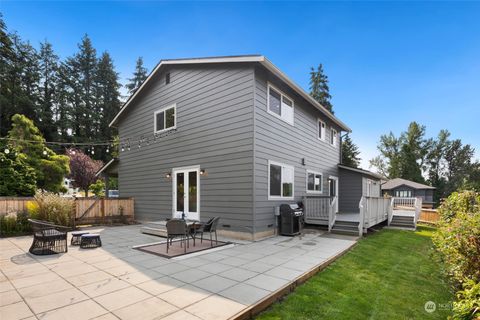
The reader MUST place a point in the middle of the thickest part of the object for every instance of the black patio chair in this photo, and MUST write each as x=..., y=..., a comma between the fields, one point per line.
x=48, y=238
x=177, y=228
x=209, y=227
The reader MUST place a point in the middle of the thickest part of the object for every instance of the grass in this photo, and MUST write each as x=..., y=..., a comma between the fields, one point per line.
x=387, y=275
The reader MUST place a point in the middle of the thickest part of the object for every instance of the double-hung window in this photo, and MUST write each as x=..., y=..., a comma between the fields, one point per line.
x=165, y=119
x=321, y=130
x=280, y=105
x=314, y=182
x=333, y=137
x=280, y=181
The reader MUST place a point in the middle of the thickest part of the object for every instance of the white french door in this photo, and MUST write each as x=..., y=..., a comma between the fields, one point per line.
x=186, y=193
x=333, y=189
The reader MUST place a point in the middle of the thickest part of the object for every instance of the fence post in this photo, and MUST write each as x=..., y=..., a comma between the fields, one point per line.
x=102, y=209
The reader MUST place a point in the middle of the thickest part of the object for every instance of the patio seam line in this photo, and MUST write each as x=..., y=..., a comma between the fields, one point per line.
x=21, y=296
x=250, y=311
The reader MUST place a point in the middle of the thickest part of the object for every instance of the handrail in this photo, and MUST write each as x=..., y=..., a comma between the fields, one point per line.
x=332, y=214
x=361, y=220
x=418, y=208
x=404, y=202
x=390, y=211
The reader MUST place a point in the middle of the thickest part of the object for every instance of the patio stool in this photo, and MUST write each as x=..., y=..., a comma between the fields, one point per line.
x=76, y=237
x=91, y=240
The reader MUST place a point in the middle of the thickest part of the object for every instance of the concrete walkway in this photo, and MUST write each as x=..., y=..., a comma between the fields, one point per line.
x=118, y=282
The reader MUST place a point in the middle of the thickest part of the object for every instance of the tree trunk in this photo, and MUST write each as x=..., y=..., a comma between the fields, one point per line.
x=86, y=192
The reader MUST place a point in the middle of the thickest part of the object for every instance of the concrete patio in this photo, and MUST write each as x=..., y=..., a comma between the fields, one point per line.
x=118, y=282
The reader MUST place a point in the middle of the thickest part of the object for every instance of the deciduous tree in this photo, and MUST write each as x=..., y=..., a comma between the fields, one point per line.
x=83, y=169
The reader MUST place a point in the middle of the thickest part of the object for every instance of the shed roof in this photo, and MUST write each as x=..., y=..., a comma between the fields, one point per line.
x=397, y=182
x=362, y=171
x=262, y=60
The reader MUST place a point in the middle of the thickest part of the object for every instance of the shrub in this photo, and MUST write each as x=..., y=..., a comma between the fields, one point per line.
x=13, y=224
x=458, y=242
x=54, y=208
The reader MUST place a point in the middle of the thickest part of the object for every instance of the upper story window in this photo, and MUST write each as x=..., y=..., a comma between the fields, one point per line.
x=280, y=181
x=403, y=193
x=321, y=130
x=279, y=104
x=314, y=182
x=165, y=118
x=333, y=137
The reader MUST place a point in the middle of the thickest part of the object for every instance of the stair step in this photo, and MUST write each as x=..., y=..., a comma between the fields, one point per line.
x=347, y=223
x=405, y=225
x=345, y=227
x=346, y=232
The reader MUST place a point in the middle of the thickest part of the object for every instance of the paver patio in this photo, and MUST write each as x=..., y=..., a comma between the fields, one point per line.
x=119, y=282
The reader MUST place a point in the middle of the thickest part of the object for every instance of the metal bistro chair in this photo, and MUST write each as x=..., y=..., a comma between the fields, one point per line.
x=177, y=228
x=209, y=227
x=48, y=238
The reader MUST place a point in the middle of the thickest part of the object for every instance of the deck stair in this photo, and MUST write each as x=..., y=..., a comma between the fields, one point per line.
x=345, y=227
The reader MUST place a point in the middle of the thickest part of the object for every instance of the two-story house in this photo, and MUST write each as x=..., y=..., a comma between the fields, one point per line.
x=232, y=137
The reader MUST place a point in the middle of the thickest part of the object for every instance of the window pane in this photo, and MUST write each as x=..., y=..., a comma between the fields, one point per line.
x=180, y=191
x=160, y=121
x=287, y=181
x=310, y=181
x=274, y=103
x=170, y=118
x=275, y=180
x=287, y=112
x=192, y=191
x=318, y=182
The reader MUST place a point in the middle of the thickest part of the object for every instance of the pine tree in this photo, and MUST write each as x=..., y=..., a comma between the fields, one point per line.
x=108, y=99
x=139, y=75
x=48, y=83
x=319, y=88
x=350, y=153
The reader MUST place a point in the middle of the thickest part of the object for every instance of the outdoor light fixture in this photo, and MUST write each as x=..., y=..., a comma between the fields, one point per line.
x=168, y=175
x=203, y=172
x=303, y=161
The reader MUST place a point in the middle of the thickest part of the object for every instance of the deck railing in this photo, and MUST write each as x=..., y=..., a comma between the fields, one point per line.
x=418, y=209
x=390, y=210
x=320, y=209
x=404, y=202
x=373, y=210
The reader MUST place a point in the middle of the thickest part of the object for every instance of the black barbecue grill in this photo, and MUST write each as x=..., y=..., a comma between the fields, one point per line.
x=291, y=219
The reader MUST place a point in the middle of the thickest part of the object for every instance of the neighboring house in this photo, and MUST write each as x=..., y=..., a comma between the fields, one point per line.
x=71, y=190
x=232, y=137
x=402, y=188
x=355, y=183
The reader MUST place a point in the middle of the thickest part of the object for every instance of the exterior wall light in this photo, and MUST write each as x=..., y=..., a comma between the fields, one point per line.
x=168, y=175
x=203, y=172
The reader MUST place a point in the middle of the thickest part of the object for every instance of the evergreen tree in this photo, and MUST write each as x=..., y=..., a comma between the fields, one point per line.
x=7, y=58
x=50, y=168
x=17, y=178
x=139, y=75
x=48, y=83
x=108, y=99
x=350, y=153
x=319, y=88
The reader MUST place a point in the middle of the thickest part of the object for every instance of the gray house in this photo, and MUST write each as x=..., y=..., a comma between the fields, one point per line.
x=402, y=188
x=225, y=136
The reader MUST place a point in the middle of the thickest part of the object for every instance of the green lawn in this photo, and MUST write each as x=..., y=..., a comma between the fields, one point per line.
x=387, y=275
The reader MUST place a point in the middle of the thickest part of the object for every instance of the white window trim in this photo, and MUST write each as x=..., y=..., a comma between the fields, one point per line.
x=324, y=137
x=269, y=85
x=174, y=106
x=270, y=162
x=306, y=182
x=335, y=142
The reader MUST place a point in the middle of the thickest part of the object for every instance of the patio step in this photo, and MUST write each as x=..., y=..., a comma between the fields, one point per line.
x=345, y=227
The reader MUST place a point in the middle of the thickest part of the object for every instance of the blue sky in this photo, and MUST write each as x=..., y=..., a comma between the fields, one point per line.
x=389, y=63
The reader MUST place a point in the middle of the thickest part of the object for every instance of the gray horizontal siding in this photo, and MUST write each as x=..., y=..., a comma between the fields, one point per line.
x=350, y=191
x=278, y=141
x=214, y=130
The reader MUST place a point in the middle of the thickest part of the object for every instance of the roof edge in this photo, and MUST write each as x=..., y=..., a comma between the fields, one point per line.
x=359, y=170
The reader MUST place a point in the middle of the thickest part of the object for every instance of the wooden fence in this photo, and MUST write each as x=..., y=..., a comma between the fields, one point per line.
x=429, y=215
x=87, y=210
